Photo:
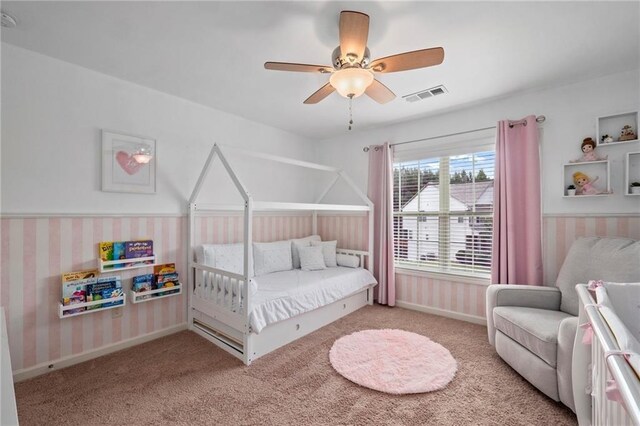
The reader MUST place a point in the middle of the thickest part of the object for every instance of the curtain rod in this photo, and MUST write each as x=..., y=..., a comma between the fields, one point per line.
x=539, y=119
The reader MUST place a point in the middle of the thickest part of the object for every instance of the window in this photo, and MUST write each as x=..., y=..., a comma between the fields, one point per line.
x=443, y=212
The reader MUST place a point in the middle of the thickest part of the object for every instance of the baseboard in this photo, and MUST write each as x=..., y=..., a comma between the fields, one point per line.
x=47, y=367
x=442, y=312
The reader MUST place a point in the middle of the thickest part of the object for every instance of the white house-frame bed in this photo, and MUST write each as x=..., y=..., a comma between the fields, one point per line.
x=224, y=319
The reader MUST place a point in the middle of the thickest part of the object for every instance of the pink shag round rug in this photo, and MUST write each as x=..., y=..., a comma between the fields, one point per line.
x=393, y=361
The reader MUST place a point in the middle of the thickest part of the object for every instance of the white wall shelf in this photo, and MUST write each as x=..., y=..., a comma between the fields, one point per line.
x=125, y=264
x=602, y=145
x=148, y=296
x=62, y=308
x=612, y=125
x=600, y=168
x=631, y=172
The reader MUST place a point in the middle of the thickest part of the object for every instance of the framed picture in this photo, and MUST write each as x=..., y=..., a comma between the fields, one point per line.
x=128, y=163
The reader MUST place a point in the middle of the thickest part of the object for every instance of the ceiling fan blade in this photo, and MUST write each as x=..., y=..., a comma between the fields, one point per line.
x=379, y=92
x=287, y=66
x=320, y=94
x=354, y=31
x=409, y=60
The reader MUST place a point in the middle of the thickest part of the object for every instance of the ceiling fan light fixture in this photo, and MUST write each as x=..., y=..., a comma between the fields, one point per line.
x=351, y=82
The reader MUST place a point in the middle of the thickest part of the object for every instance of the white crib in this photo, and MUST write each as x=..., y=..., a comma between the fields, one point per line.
x=592, y=371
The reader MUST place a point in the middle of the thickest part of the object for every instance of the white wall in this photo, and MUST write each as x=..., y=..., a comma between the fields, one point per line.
x=52, y=115
x=571, y=112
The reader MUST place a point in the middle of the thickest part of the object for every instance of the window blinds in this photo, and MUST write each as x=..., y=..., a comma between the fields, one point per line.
x=443, y=208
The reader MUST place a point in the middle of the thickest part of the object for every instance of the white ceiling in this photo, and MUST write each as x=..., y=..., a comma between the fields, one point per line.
x=213, y=52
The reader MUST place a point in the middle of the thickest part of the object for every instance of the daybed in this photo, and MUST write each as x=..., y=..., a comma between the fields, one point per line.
x=250, y=310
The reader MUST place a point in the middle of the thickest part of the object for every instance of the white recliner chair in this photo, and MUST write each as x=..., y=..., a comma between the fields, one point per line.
x=533, y=328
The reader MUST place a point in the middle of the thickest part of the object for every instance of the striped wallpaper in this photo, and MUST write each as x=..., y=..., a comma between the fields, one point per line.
x=349, y=230
x=447, y=295
x=219, y=229
x=560, y=231
x=35, y=251
x=469, y=299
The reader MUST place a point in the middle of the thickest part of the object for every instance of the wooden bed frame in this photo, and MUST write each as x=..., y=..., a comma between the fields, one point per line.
x=221, y=316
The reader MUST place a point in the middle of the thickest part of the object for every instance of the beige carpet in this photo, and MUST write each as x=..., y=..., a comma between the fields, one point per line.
x=185, y=379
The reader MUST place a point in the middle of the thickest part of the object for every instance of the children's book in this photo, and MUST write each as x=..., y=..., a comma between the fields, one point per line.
x=166, y=268
x=118, y=252
x=167, y=281
x=74, y=288
x=142, y=283
x=135, y=249
x=104, y=285
x=111, y=293
x=105, y=250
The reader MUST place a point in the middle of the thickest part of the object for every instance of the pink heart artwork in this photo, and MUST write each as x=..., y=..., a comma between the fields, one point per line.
x=127, y=162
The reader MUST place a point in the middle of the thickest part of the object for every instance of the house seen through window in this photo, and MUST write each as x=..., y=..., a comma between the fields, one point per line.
x=443, y=213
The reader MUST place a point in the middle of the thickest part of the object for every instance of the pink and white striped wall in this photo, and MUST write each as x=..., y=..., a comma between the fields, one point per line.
x=223, y=229
x=35, y=251
x=560, y=231
x=468, y=299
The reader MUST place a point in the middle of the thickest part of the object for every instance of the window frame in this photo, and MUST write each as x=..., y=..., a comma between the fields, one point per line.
x=443, y=268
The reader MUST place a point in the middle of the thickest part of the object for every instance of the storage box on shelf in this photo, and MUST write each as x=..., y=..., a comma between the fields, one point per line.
x=632, y=173
x=612, y=125
x=593, y=169
x=148, y=296
x=125, y=264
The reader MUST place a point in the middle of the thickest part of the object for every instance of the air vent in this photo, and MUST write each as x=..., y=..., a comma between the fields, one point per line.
x=424, y=94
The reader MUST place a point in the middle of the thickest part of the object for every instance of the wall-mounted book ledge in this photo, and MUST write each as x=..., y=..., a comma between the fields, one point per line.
x=68, y=311
x=125, y=264
x=148, y=296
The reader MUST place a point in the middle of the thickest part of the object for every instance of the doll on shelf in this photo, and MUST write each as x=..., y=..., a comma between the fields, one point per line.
x=588, y=152
x=585, y=185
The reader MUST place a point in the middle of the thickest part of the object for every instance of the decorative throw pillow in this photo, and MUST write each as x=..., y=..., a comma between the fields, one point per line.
x=271, y=257
x=328, y=251
x=301, y=242
x=311, y=258
x=347, y=260
x=230, y=257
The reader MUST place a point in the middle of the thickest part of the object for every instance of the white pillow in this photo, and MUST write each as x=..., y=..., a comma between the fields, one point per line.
x=271, y=257
x=328, y=252
x=301, y=242
x=230, y=257
x=311, y=258
x=347, y=260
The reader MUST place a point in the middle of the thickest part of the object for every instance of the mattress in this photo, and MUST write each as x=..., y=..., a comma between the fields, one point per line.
x=286, y=294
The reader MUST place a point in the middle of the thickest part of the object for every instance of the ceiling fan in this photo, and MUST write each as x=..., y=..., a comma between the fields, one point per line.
x=352, y=71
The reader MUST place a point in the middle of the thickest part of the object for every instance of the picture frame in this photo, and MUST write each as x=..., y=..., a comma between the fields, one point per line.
x=128, y=163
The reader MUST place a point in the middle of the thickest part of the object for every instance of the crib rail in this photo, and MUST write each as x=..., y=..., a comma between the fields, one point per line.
x=605, y=411
x=221, y=294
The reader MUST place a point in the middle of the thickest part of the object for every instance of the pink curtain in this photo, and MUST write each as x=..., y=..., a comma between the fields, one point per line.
x=381, y=193
x=517, y=246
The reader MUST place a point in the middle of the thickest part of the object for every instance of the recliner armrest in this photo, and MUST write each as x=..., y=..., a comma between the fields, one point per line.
x=525, y=296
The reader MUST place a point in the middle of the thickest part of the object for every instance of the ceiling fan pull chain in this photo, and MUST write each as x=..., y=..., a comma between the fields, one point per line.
x=350, y=111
